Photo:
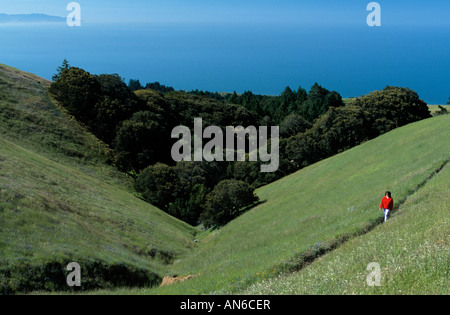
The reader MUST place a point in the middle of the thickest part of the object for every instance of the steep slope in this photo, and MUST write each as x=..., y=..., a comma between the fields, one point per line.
x=412, y=251
x=60, y=202
x=315, y=210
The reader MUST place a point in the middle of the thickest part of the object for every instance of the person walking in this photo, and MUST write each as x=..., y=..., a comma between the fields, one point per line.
x=387, y=204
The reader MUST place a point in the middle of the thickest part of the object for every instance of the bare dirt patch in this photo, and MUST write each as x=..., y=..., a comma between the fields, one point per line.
x=169, y=280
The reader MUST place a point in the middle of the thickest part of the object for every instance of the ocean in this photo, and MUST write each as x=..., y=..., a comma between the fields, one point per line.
x=264, y=58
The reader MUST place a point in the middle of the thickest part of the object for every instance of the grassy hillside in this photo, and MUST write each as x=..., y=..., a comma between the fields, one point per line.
x=61, y=202
x=319, y=208
x=314, y=232
x=412, y=250
x=28, y=114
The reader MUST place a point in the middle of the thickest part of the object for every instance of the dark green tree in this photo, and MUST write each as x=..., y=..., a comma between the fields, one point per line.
x=288, y=96
x=251, y=102
x=189, y=208
x=391, y=108
x=301, y=150
x=333, y=99
x=314, y=106
x=134, y=85
x=78, y=91
x=301, y=96
x=226, y=202
x=287, y=104
x=157, y=185
x=233, y=99
x=142, y=141
x=117, y=103
x=156, y=86
x=338, y=130
x=293, y=124
x=65, y=66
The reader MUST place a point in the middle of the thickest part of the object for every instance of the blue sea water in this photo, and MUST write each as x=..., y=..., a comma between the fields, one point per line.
x=226, y=57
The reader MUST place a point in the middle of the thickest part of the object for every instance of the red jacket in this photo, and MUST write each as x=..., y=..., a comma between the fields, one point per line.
x=387, y=203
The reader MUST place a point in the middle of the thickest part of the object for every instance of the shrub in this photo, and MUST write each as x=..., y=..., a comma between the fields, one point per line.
x=442, y=110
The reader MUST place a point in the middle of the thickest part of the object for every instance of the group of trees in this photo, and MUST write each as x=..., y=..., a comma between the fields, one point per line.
x=101, y=102
x=135, y=85
x=195, y=192
x=339, y=129
x=274, y=109
x=137, y=125
x=362, y=119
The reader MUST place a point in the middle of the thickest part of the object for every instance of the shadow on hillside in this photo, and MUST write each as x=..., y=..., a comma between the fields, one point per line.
x=254, y=205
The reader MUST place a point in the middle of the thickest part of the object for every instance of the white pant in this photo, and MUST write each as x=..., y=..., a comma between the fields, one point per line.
x=386, y=214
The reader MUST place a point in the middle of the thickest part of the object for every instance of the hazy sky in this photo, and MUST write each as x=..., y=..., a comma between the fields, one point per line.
x=404, y=12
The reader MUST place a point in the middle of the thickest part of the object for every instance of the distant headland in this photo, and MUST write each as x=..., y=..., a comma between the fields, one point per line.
x=30, y=18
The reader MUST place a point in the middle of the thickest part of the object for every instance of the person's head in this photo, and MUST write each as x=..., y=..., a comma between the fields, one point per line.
x=388, y=194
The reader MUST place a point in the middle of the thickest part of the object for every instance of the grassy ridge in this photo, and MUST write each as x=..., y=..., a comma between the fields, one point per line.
x=60, y=202
x=313, y=207
x=28, y=114
x=412, y=250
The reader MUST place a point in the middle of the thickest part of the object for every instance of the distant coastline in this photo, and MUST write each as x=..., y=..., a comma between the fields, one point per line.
x=30, y=18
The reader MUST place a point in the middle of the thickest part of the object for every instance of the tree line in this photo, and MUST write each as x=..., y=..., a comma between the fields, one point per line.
x=136, y=121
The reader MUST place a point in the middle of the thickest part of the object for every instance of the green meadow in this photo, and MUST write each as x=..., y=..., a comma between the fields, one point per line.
x=314, y=231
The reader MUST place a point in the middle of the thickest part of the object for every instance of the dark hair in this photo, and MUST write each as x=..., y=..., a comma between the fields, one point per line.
x=388, y=193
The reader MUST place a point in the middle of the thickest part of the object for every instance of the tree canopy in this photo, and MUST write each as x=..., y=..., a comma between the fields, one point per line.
x=226, y=201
